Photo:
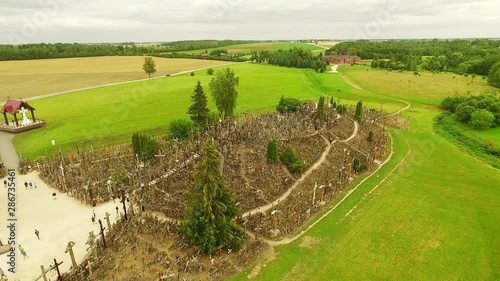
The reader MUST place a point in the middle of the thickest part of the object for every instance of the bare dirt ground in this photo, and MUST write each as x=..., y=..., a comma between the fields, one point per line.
x=33, y=79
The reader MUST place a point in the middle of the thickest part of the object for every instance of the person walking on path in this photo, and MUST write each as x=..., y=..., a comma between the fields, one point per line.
x=37, y=233
x=93, y=217
x=31, y=184
x=23, y=251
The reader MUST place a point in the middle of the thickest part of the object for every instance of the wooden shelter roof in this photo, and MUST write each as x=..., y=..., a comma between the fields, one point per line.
x=12, y=106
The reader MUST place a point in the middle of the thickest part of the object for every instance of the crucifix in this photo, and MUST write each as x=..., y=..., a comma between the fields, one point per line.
x=56, y=265
x=89, y=266
x=44, y=273
x=91, y=242
x=69, y=249
x=25, y=121
x=102, y=233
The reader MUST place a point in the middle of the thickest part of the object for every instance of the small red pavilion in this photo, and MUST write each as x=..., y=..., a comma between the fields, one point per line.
x=15, y=107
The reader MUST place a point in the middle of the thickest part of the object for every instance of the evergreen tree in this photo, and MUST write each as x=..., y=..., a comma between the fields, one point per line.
x=199, y=111
x=210, y=207
x=321, y=108
x=359, y=111
x=272, y=151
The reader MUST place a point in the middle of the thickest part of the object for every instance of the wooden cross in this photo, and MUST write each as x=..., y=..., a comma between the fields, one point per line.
x=124, y=206
x=89, y=266
x=69, y=249
x=107, y=221
x=102, y=233
x=56, y=265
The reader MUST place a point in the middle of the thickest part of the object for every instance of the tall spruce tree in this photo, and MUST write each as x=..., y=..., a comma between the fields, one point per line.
x=199, y=111
x=359, y=111
x=321, y=108
x=210, y=207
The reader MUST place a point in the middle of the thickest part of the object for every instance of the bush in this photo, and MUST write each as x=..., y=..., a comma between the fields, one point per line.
x=290, y=159
x=370, y=136
x=144, y=146
x=494, y=75
x=288, y=105
x=451, y=103
x=179, y=128
x=464, y=112
x=192, y=73
x=482, y=119
x=210, y=71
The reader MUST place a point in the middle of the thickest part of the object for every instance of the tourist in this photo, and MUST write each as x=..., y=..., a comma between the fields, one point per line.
x=23, y=251
x=93, y=217
x=31, y=184
x=37, y=233
x=26, y=184
x=5, y=183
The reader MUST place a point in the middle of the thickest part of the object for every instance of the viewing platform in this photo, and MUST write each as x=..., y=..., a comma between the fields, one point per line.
x=12, y=128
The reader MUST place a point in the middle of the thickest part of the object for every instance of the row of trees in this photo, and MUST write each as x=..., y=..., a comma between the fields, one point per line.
x=201, y=44
x=296, y=57
x=65, y=50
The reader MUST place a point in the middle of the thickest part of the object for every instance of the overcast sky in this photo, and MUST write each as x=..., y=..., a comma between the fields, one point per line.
x=32, y=21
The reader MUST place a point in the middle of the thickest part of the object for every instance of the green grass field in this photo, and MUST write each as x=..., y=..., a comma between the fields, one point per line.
x=110, y=115
x=428, y=88
x=430, y=220
x=247, y=48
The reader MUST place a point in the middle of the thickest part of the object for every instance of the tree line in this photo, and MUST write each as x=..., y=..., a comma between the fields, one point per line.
x=459, y=56
x=296, y=57
x=65, y=50
x=180, y=46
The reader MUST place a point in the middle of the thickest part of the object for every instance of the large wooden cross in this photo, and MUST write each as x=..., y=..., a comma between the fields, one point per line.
x=102, y=233
x=69, y=248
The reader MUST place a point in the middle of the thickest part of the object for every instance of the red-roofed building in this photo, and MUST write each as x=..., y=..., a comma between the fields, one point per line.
x=339, y=59
x=14, y=107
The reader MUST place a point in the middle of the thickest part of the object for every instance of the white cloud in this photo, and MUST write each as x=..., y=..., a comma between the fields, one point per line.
x=159, y=20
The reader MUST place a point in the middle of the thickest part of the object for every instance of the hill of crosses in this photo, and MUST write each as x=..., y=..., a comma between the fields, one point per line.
x=274, y=202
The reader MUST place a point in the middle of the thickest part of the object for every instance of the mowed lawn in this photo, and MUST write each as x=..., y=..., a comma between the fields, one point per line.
x=435, y=218
x=267, y=46
x=428, y=88
x=29, y=78
x=110, y=115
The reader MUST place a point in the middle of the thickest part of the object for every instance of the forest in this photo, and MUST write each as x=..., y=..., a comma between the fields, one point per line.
x=460, y=56
x=296, y=57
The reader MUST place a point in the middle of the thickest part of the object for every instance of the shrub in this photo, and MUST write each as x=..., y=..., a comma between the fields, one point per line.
x=451, y=103
x=144, y=146
x=288, y=105
x=464, y=112
x=179, y=128
x=210, y=71
x=370, y=136
x=192, y=73
x=290, y=159
x=359, y=111
x=482, y=119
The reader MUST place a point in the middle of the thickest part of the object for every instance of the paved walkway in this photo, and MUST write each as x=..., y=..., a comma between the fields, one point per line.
x=7, y=151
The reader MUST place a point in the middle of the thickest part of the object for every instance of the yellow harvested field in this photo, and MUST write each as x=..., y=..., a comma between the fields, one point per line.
x=29, y=78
